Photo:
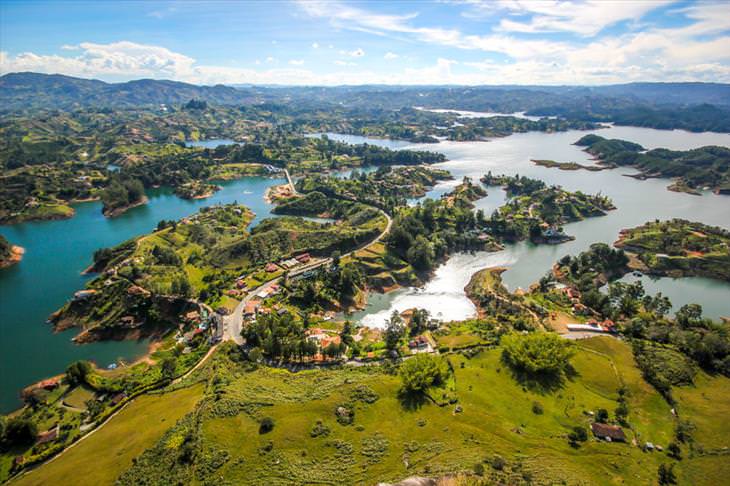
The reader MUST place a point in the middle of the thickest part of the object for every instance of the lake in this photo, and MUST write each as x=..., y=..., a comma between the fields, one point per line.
x=637, y=202
x=58, y=251
x=56, y=254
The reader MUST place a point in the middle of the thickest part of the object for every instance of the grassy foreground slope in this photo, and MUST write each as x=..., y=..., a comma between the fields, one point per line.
x=100, y=458
x=494, y=423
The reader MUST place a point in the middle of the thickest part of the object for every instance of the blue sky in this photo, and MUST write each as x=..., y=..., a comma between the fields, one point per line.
x=326, y=42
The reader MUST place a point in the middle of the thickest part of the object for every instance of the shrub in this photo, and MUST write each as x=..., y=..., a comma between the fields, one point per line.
x=266, y=425
x=479, y=469
x=421, y=372
x=319, y=430
x=20, y=431
x=498, y=463
x=602, y=415
x=537, y=408
x=666, y=474
x=578, y=434
x=538, y=352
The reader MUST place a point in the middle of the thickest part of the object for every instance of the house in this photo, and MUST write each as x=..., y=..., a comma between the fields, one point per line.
x=250, y=309
x=50, y=384
x=591, y=326
x=609, y=433
x=240, y=284
x=271, y=267
x=47, y=436
x=327, y=340
x=84, y=294
x=127, y=321
x=303, y=258
x=418, y=342
x=118, y=398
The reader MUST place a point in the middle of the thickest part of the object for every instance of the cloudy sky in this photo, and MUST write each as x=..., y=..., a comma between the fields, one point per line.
x=345, y=42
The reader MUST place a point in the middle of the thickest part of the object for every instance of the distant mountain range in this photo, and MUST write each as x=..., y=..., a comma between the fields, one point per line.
x=33, y=90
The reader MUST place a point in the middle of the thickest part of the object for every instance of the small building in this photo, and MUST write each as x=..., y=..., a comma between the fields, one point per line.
x=418, y=342
x=47, y=436
x=49, y=384
x=609, y=433
x=303, y=258
x=192, y=316
x=84, y=294
x=250, y=309
x=117, y=398
x=271, y=267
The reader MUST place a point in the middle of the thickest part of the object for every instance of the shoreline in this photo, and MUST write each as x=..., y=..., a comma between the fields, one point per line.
x=121, y=210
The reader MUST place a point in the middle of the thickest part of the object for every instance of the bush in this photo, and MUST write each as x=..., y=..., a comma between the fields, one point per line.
x=537, y=408
x=479, y=469
x=498, y=463
x=19, y=431
x=602, y=415
x=77, y=372
x=266, y=425
x=537, y=353
x=578, y=434
x=421, y=372
x=666, y=474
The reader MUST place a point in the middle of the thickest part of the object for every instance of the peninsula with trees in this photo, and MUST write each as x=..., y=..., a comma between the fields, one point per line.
x=678, y=248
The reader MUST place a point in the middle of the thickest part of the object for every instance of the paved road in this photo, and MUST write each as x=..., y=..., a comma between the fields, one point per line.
x=233, y=323
x=291, y=183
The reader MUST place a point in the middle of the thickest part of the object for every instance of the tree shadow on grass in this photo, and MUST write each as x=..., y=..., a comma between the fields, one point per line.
x=543, y=383
x=412, y=401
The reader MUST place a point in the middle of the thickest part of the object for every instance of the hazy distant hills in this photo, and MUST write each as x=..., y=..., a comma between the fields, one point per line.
x=34, y=90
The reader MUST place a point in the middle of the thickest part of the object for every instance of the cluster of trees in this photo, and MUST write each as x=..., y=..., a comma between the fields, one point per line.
x=385, y=188
x=424, y=234
x=121, y=192
x=537, y=353
x=422, y=372
x=282, y=336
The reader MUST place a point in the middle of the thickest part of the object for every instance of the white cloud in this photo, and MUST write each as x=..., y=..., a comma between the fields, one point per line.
x=296, y=62
x=390, y=56
x=315, y=45
x=586, y=18
x=339, y=62
x=271, y=59
x=116, y=59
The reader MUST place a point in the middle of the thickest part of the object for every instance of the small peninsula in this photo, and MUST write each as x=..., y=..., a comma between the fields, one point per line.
x=678, y=248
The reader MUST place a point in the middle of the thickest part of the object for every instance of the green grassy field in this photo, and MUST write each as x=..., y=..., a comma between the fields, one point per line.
x=99, y=459
x=392, y=437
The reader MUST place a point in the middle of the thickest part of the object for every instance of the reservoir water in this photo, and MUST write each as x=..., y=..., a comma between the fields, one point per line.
x=637, y=202
x=56, y=254
x=58, y=251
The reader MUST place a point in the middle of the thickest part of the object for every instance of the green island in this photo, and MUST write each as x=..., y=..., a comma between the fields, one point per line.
x=551, y=164
x=538, y=211
x=692, y=170
x=678, y=248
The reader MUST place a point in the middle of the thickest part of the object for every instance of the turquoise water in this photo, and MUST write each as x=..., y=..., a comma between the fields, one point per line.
x=56, y=254
x=58, y=251
x=211, y=144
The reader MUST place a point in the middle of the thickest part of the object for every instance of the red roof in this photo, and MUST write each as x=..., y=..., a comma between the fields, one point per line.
x=603, y=431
